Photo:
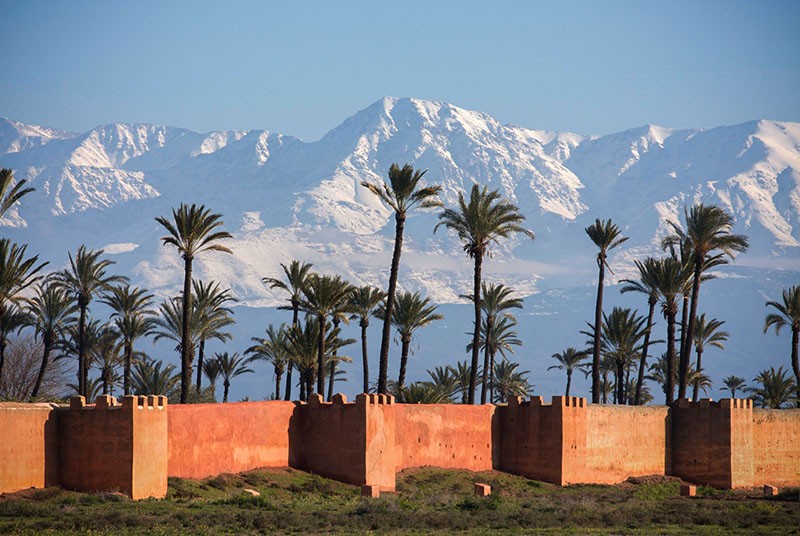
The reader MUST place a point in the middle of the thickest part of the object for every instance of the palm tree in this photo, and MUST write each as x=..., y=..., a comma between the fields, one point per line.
x=402, y=196
x=708, y=230
x=211, y=372
x=85, y=278
x=510, y=381
x=322, y=297
x=274, y=349
x=212, y=317
x=12, y=319
x=444, y=379
x=788, y=315
x=621, y=333
x=194, y=230
x=9, y=197
x=569, y=360
x=363, y=303
x=230, y=366
x=151, y=377
x=132, y=318
x=707, y=333
x=485, y=219
x=423, y=393
x=297, y=274
x=497, y=300
x=463, y=372
x=50, y=314
x=106, y=353
x=501, y=338
x=411, y=312
x=169, y=324
x=776, y=390
x=733, y=384
x=302, y=345
x=606, y=236
x=645, y=268
x=339, y=314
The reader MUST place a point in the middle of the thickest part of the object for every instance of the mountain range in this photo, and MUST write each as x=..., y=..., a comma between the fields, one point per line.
x=284, y=198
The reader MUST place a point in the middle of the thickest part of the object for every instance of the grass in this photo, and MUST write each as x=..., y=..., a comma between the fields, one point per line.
x=427, y=501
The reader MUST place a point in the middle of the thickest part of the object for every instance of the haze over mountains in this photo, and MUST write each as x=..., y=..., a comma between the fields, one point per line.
x=285, y=199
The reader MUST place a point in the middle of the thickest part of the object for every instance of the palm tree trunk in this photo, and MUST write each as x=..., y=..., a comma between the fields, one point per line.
x=687, y=350
x=331, y=378
x=569, y=382
x=126, y=380
x=278, y=374
x=200, y=355
x=288, y=396
x=637, y=397
x=383, y=364
x=186, y=357
x=491, y=377
x=401, y=379
x=476, y=332
x=309, y=386
x=696, y=386
x=627, y=387
x=604, y=385
x=486, y=364
x=684, y=319
x=3, y=357
x=225, y=386
x=302, y=388
x=795, y=363
x=598, y=325
x=82, y=377
x=620, y=381
x=670, y=355
x=321, y=357
x=364, y=326
x=42, y=369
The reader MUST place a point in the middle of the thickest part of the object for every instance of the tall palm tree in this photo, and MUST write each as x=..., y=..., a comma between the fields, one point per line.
x=364, y=301
x=497, y=300
x=485, y=219
x=775, y=389
x=50, y=314
x=606, y=236
x=193, y=230
x=510, y=381
x=322, y=297
x=402, y=195
x=733, y=384
x=708, y=232
x=622, y=332
x=297, y=274
x=569, y=360
x=151, y=377
x=86, y=277
x=274, y=349
x=411, y=313
x=706, y=333
x=230, y=366
x=645, y=269
x=788, y=314
x=212, y=317
x=9, y=197
x=132, y=318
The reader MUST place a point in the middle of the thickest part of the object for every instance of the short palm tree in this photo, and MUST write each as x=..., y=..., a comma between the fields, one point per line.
x=192, y=230
x=497, y=301
x=606, y=236
x=423, y=393
x=499, y=338
x=411, y=313
x=569, y=360
x=10, y=196
x=510, y=381
x=322, y=297
x=706, y=333
x=12, y=319
x=364, y=301
x=212, y=317
x=107, y=354
x=788, y=314
x=302, y=345
x=775, y=389
x=132, y=319
x=463, y=372
x=169, y=325
x=402, y=194
x=621, y=337
x=230, y=366
x=86, y=277
x=445, y=380
x=708, y=231
x=17, y=271
x=297, y=274
x=151, y=377
x=50, y=312
x=645, y=269
x=211, y=372
x=485, y=219
x=274, y=349
x=733, y=384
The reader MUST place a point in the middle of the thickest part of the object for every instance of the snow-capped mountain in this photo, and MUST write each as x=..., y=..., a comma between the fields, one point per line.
x=283, y=198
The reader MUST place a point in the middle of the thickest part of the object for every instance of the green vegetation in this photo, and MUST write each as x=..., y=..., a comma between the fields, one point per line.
x=427, y=501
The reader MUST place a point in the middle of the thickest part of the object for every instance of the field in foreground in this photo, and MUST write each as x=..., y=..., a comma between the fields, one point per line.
x=427, y=501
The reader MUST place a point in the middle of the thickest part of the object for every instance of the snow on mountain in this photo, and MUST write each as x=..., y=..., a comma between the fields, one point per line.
x=283, y=198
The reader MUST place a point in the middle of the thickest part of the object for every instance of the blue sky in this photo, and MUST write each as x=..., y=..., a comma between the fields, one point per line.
x=300, y=68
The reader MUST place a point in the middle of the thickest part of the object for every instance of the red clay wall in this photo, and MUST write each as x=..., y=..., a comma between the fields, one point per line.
x=776, y=446
x=444, y=435
x=28, y=449
x=209, y=439
x=623, y=441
